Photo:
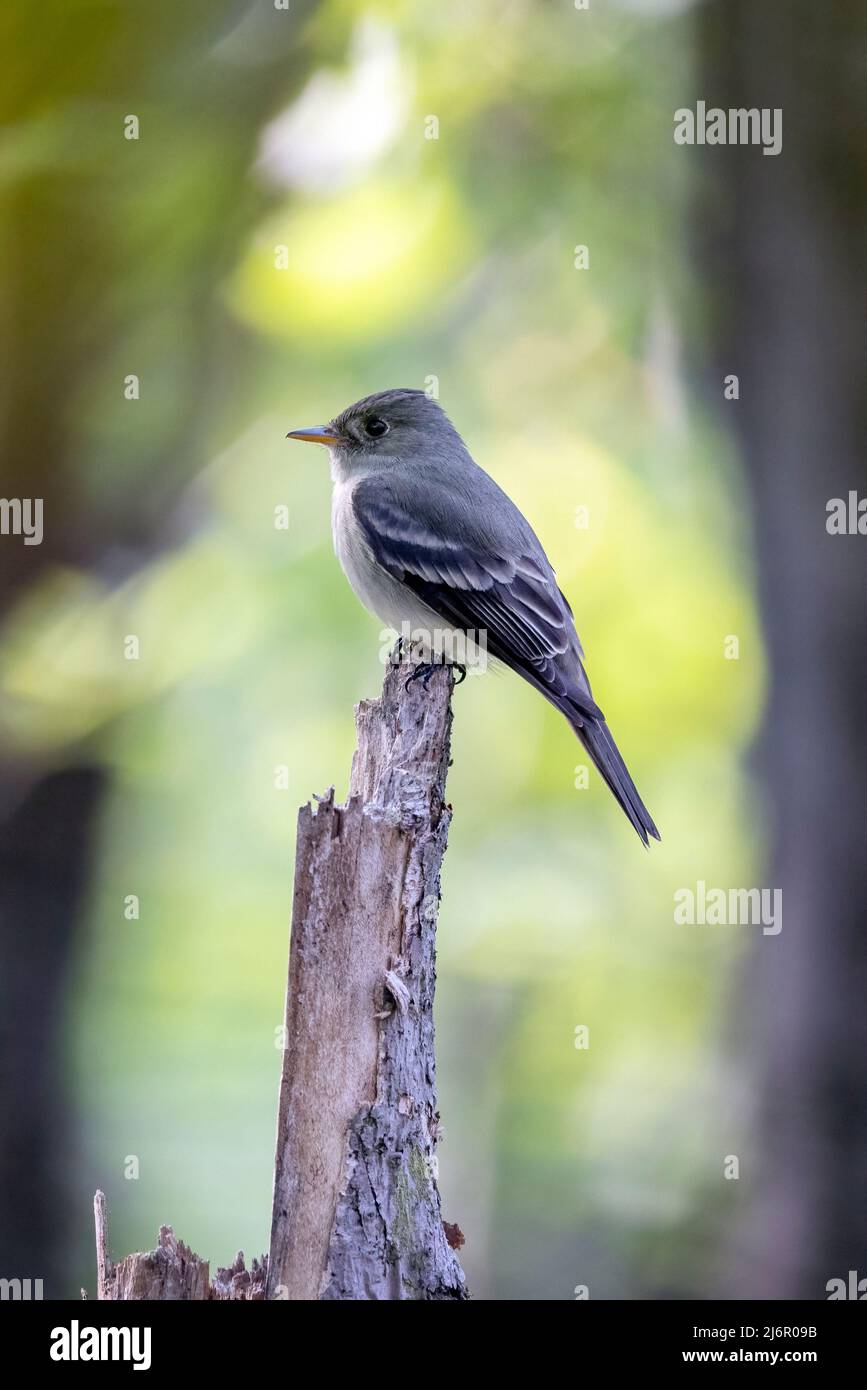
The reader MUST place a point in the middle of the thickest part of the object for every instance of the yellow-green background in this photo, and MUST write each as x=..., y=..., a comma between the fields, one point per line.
x=409, y=258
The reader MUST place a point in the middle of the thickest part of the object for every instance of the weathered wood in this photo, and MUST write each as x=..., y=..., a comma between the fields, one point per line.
x=239, y=1284
x=356, y=1210
x=100, y=1221
x=170, y=1272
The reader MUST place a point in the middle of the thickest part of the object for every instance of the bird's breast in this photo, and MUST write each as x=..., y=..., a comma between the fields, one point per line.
x=383, y=595
x=376, y=589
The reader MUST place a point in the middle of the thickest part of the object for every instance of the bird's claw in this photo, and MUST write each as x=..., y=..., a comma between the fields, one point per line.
x=425, y=669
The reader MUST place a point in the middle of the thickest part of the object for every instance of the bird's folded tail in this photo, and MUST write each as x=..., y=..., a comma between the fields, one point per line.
x=596, y=737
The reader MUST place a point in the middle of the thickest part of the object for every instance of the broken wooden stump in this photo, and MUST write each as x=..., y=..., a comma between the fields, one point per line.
x=356, y=1205
x=170, y=1272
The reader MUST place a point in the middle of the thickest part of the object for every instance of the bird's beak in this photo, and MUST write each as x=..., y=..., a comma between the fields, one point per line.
x=321, y=434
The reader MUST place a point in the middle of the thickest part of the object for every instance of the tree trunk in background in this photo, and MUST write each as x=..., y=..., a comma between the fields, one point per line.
x=784, y=258
x=44, y=865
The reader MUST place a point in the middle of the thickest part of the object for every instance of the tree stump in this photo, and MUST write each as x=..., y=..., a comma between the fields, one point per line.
x=170, y=1272
x=356, y=1210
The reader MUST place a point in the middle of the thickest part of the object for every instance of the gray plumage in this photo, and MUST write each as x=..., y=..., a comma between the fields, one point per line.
x=427, y=538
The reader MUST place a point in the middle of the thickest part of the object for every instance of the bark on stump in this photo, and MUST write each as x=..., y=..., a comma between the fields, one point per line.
x=171, y=1272
x=356, y=1210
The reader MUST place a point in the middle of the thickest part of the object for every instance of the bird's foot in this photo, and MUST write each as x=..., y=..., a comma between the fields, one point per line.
x=423, y=672
x=425, y=669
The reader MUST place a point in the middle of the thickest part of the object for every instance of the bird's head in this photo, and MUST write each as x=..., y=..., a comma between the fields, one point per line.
x=382, y=430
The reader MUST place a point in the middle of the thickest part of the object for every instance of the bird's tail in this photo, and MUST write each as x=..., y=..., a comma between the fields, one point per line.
x=596, y=737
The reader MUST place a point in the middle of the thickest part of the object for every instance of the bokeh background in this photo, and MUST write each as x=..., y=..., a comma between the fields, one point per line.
x=323, y=201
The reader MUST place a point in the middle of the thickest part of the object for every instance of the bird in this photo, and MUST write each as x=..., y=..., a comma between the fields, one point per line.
x=431, y=543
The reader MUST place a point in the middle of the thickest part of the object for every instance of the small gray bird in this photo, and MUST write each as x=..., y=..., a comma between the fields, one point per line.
x=429, y=542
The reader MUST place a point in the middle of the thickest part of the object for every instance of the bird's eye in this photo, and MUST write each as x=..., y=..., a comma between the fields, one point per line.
x=376, y=428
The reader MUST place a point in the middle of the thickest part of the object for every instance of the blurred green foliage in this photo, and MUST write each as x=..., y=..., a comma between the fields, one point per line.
x=408, y=258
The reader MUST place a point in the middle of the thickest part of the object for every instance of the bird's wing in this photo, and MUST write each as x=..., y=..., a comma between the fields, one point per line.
x=457, y=572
